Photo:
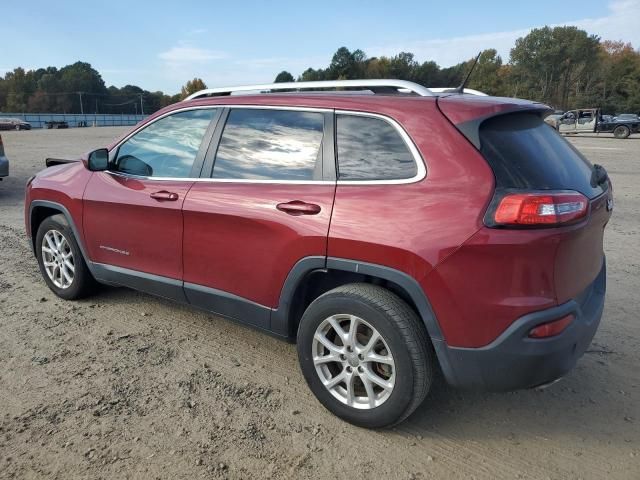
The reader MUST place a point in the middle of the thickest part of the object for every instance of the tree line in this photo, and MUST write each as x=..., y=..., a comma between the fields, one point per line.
x=564, y=67
x=77, y=88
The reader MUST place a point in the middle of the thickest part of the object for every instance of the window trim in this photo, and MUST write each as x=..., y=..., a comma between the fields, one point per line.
x=421, y=171
x=328, y=153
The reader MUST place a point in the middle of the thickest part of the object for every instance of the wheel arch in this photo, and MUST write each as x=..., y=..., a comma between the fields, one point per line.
x=313, y=276
x=39, y=210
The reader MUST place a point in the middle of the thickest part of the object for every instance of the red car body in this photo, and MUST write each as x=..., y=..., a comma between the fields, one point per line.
x=480, y=290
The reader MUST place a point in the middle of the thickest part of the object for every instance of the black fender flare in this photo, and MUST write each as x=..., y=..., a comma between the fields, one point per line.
x=307, y=265
x=64, y=211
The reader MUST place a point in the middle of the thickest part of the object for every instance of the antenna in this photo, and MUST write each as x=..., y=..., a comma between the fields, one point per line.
x=460, y=89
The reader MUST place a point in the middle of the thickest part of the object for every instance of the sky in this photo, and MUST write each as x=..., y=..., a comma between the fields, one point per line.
x=159, y=45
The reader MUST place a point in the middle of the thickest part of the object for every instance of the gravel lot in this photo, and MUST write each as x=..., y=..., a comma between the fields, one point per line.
x=124, y=385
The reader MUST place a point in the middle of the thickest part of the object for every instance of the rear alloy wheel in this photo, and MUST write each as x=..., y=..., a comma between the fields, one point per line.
x=353, y=361
x=60, y=259
x=621, y=131
x=365, y=355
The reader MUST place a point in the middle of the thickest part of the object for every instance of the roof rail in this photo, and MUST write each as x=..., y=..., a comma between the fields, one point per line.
x=470, y=91
x=376, y=86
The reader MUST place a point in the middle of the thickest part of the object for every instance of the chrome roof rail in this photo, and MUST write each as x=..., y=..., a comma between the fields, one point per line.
x=470, y=91
x=376, y=86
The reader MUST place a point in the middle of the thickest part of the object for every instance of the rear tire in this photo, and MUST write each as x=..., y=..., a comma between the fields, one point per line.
x=621, y=131
x=368, y=381
x=60, y=260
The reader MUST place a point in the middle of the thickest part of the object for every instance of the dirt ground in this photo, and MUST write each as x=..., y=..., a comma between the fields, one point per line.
x=124, y=385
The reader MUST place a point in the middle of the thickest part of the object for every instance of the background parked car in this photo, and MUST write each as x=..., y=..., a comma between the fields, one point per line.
x=14, y=124
x=590, y=120
x=626, y=117
x=56, y=124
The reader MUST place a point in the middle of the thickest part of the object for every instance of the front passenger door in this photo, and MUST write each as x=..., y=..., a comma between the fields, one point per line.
x=132, y=216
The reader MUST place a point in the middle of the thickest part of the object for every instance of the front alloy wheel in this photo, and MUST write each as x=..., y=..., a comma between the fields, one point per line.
x=57, y=258
x=60, y=259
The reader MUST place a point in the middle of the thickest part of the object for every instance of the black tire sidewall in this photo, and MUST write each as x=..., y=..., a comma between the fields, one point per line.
x=77, y=287
x=395, y=406
x=624, y=131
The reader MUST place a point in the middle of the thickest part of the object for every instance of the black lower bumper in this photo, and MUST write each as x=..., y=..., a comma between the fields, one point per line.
x=514, y=361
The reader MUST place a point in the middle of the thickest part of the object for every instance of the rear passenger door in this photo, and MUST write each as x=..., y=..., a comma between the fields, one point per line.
x=265, y=205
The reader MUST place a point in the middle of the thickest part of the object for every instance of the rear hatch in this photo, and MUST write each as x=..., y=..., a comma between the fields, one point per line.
x=532, y=163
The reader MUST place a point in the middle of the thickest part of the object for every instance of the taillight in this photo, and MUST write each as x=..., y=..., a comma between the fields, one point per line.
x=551, y=329
x=537, y=208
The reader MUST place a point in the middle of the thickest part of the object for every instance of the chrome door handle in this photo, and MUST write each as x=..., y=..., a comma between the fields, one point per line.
x=296, y=207
x=163, y=195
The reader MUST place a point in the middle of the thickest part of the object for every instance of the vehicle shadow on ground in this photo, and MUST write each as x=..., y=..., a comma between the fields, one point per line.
x=571, y=408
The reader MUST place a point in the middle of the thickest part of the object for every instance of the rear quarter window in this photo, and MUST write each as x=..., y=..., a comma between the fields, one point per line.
x=525, y=153
x=370, y=148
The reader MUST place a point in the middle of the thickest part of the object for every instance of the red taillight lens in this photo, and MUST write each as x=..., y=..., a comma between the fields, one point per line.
x=540, y=208
x=551, y=329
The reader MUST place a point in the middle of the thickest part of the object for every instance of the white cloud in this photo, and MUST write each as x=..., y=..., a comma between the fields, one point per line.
x=187, y=55
x=621, y=23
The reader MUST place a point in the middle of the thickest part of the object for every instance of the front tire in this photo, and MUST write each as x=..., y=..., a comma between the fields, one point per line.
x=621, y=131
x=60, y=260
x=365, y=355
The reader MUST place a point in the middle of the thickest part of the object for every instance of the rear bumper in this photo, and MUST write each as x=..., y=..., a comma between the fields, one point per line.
x=514, y=361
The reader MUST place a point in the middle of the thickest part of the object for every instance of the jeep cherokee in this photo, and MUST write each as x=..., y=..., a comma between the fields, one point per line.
x=391, y=231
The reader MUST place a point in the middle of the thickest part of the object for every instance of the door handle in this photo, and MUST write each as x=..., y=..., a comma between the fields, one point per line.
x=163, y=195
x=296, y=207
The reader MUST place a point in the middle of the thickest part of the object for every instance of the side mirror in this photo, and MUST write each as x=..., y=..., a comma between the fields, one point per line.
x=98, y=160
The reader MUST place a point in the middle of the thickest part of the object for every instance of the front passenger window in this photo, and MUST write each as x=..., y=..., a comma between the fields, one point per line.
x=167, y=147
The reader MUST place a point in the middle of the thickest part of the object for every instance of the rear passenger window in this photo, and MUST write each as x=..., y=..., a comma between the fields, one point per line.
x=372, y=149
x=270, y=145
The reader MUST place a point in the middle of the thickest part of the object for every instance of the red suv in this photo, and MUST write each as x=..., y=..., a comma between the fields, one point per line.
x=391, y=231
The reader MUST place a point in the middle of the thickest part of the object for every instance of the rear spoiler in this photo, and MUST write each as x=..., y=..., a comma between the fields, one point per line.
x=467, y=112
x=50, y=162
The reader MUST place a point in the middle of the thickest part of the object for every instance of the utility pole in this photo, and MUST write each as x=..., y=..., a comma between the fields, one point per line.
x=141, y=107
x=81, y=108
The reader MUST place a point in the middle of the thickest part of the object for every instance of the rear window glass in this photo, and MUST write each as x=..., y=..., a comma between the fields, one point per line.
x=526, y=153
x=370, y=148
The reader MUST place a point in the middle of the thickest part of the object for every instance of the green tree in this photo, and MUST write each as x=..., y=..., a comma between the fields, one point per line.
x=19, y=87
x=487, y=74
x=403, y=66
x=552, y=64
x=342, y=64
x=284, y=77
x=192, y=86
x=81, y=77
x=311, y=75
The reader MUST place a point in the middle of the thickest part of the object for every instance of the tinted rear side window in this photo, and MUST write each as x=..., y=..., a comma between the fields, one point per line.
x=270, y=145
x=525, y=153
x=370, y=148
